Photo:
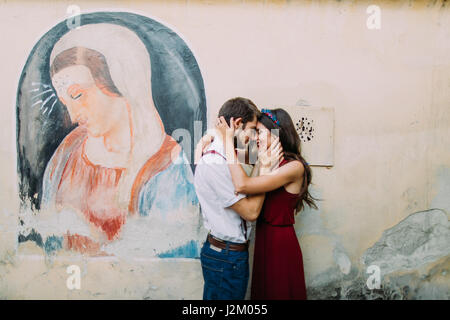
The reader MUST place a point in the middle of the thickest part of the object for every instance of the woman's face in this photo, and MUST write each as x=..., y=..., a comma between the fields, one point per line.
x=87, y=104
x=264, y=139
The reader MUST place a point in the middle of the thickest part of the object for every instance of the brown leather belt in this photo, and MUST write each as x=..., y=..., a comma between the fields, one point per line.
x=223, y=245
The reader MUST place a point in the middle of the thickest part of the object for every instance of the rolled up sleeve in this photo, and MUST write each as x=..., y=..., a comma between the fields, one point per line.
x=219, y=178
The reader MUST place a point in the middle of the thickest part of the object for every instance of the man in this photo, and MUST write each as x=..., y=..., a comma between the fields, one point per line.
x=227, y=215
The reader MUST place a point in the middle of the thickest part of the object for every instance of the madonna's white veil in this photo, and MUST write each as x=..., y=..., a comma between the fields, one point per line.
x=130, y=68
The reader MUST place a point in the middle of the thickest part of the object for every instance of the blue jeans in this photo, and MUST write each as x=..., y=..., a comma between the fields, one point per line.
x=225, y=273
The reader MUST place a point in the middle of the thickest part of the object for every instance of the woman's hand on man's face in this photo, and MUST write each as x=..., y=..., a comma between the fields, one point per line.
x=225, y=130
x=271, y=157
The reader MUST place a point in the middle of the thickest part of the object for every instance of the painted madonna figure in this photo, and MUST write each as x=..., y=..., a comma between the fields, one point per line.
x=122, y=175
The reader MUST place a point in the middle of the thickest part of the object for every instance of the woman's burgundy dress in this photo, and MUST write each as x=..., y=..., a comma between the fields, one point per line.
x=277, y=262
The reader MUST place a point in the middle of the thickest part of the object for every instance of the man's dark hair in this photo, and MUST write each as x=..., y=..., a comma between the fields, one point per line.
x=239, y=108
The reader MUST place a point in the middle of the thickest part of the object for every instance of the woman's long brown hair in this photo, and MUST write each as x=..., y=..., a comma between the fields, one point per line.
x=290, y=141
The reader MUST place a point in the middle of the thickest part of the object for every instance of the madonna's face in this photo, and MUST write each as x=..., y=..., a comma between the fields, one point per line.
x=87, y=104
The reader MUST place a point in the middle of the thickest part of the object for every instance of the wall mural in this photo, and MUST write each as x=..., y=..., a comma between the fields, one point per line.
x=101, y=170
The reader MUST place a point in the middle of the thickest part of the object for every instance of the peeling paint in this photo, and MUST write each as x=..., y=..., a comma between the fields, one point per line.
x=420, y=238
x=414, y=244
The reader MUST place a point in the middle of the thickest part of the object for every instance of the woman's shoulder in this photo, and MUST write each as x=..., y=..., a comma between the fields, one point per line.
x=293, y=164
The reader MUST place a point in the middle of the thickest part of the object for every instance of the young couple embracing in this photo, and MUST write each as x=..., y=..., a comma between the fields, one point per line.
x=230, y=200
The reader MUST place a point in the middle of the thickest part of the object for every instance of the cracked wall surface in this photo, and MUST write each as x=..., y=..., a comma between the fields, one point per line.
x=413, y=259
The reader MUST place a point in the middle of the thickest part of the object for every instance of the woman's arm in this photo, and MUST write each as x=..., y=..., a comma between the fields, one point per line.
x=266, y=181
x=271, y=177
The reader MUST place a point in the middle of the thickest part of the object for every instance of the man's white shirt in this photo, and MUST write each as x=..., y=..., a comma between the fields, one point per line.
x=216, y=193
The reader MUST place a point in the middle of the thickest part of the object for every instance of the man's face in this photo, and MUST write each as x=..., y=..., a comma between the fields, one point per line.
x=247, y=132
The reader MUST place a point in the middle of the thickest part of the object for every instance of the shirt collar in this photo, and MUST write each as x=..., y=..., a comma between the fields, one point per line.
x=217, y=145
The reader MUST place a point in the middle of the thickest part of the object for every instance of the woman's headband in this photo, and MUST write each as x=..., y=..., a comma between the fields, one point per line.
x=273, y=117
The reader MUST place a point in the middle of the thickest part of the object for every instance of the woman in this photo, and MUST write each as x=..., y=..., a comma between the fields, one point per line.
x=119, y=161
x=278, y=266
